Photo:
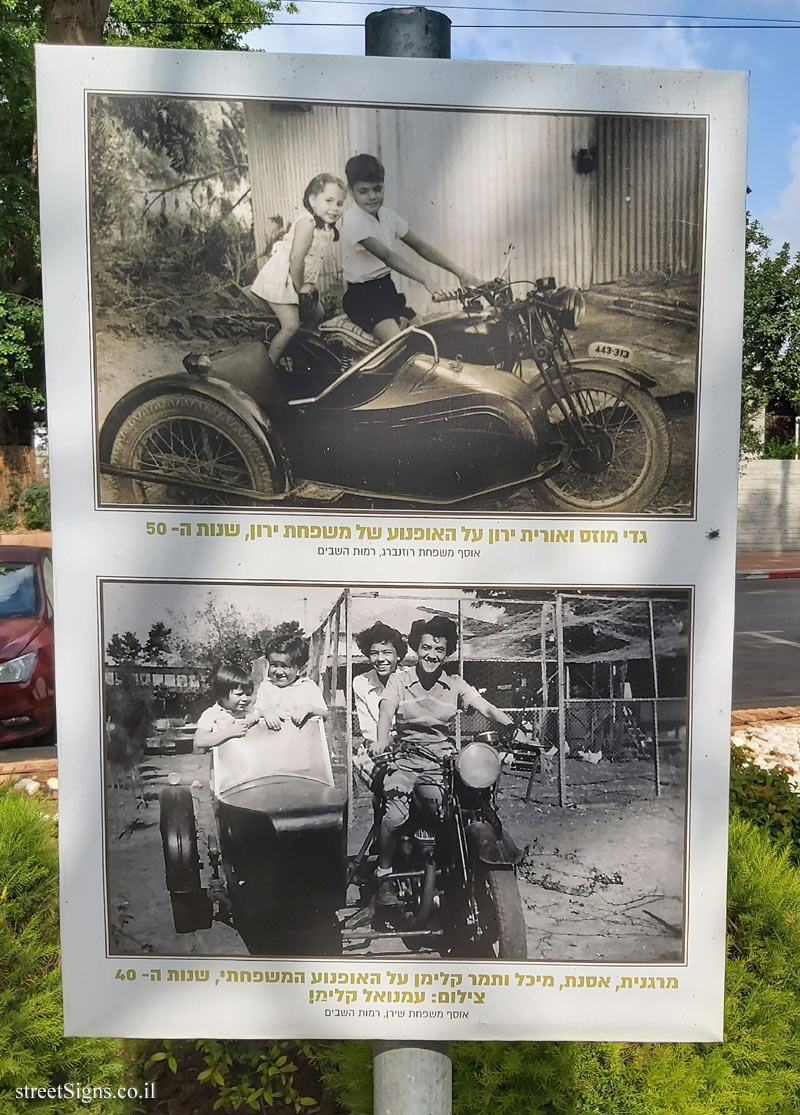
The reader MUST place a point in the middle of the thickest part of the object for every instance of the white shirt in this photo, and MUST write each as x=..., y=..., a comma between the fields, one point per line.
x=286, y=699
x=367, y=691
x=359, y=265
x=214, y=719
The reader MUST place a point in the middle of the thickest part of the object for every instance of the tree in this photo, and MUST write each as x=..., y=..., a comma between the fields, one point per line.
x=194, y=24
x=771, y=341
x=157, y=646
x=21, y=373
x=124, y=648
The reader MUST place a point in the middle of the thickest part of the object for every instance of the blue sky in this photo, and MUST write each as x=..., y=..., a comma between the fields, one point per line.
x=772, y=57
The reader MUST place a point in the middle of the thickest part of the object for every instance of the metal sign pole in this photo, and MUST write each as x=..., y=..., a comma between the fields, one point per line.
x=410, y=1078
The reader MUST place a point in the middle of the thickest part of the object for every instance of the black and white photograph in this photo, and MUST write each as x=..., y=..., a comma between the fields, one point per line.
x=473, y=773
x=344, y=306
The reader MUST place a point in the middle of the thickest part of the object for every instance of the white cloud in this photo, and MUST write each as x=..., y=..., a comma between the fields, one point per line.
x=783, y=222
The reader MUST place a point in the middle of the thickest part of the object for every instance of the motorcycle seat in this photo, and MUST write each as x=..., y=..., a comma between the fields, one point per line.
x=347, y=331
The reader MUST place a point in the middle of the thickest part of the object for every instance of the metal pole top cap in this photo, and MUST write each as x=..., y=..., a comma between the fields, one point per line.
x=408, y=33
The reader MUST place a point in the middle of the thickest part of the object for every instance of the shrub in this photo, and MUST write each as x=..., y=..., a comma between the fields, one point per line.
x=36, y=507
x=8, y=518
x=235, y=1075
x=777, y=450
x=33, y=1049
x=767, y=798
x=756, y=1071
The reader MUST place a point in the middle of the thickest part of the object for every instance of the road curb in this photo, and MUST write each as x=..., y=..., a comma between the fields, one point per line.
x=766, y=574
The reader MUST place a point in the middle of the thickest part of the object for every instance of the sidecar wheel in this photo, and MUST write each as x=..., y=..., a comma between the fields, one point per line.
x=191, y=906
x=625, y=461
x=500, y=913
x=191, y=912
x=185, y=438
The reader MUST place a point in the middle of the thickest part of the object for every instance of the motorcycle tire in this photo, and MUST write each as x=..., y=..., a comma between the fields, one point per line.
x=500, y=912
x=189, y=438
x=191, y=912
x=626, y=462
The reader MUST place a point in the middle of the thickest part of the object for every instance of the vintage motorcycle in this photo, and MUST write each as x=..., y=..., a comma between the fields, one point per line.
x=275, y=865
x=477, y=402
x=454, y=868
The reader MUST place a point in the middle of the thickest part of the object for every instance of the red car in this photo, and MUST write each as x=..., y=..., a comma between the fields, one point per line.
x=27, y=703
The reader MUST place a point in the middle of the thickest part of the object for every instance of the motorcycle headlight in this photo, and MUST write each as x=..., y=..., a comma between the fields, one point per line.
x=571, y=304
x=17, y=669
x=478, y=765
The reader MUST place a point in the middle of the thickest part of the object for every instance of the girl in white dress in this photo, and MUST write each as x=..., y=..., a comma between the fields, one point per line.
x=296, y=259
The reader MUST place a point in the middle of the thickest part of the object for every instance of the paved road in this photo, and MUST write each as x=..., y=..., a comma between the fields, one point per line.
x=766, y=664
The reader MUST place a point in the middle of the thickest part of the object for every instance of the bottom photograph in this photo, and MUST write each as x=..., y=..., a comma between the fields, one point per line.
x=297, y=771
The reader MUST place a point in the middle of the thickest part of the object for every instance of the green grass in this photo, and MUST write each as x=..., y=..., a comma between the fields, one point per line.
x=33, y=1049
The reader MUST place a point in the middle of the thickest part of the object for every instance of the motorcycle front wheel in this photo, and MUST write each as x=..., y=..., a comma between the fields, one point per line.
x=205, y=453
x=623, y=461
x=500, y=915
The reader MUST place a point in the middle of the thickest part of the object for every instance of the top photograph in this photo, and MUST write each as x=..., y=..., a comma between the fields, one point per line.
x=327, y=306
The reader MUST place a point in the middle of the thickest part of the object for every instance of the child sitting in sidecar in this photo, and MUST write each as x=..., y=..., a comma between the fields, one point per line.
x=286, y=693
x=228, y=717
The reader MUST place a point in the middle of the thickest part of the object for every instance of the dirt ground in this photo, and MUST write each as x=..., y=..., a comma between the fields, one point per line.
x=664, y=349
x=602, y=879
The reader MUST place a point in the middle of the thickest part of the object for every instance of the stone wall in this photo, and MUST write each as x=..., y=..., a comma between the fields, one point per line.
x=769, y=507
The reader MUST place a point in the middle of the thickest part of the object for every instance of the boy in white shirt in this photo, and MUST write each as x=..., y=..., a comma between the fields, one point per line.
x=371, y=236
x=285, y=693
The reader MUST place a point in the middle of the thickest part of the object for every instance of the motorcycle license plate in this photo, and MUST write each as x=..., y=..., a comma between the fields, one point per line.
x=610, y=350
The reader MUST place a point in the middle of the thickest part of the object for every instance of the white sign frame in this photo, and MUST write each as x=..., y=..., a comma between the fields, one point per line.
x=94, y=544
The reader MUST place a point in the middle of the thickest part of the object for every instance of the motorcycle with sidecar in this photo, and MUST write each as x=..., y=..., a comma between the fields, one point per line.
x=473, y=403
x=277, y=868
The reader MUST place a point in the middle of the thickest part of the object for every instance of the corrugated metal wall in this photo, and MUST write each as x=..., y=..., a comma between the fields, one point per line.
x=471, y=183
x=474, y=183
x=650, y=196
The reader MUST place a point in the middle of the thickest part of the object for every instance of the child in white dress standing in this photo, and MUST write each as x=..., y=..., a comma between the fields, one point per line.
x=296, y=260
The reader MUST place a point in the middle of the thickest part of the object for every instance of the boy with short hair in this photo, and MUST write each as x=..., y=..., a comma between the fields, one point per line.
x=371, y=235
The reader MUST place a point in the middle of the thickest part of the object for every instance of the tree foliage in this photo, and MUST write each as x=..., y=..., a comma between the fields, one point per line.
x=771, y=342
x=169, y=199
x=193, y=24
x=220, y=633
x=124, y=648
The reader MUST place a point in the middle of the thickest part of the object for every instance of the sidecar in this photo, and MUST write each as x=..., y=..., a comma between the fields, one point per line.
x=400, y=424
x=280, y=842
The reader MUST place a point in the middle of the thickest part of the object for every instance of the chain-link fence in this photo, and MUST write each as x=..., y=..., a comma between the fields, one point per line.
x=587, y=676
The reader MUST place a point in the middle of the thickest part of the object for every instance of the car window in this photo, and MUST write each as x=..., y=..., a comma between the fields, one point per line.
x=19, y=595
x=47, y=574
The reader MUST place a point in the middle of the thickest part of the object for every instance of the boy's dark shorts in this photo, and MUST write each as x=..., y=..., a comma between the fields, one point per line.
x=375, y=300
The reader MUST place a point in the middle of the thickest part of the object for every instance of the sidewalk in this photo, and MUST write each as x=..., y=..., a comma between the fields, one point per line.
x=754, y=566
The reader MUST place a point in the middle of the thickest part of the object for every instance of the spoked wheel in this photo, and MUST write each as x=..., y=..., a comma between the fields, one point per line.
x=204, y=452
x=625, y=455
x=500, y=917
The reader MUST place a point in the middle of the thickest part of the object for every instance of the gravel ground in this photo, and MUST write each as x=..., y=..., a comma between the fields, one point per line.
x=772, y=743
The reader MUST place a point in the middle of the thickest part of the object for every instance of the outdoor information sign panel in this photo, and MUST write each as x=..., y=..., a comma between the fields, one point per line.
x=529, y=485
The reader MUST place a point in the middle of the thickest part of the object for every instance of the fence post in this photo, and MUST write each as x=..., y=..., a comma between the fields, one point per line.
x=410, y=1078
